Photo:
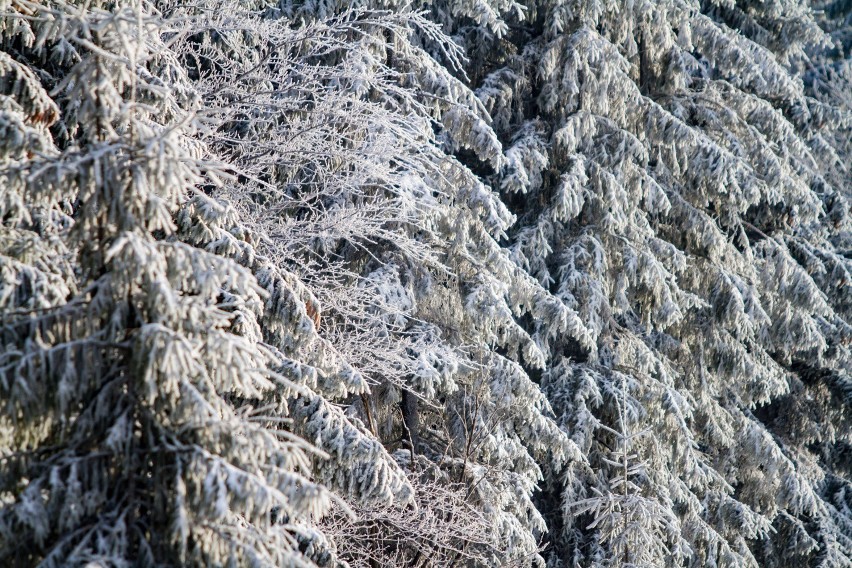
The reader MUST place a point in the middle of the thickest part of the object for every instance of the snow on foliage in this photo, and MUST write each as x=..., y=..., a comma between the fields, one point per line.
x=458, y=282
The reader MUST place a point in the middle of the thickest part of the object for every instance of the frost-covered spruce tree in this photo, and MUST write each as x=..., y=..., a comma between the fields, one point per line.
x=678, y=187
x=141, y=406
x=396, y=244
x=264, y=136
x=828, y=78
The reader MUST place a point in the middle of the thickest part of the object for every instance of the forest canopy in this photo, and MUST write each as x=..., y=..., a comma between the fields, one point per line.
x=439, y=283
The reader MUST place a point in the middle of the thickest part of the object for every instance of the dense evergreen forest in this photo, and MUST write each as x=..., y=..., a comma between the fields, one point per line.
x=429, y=283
